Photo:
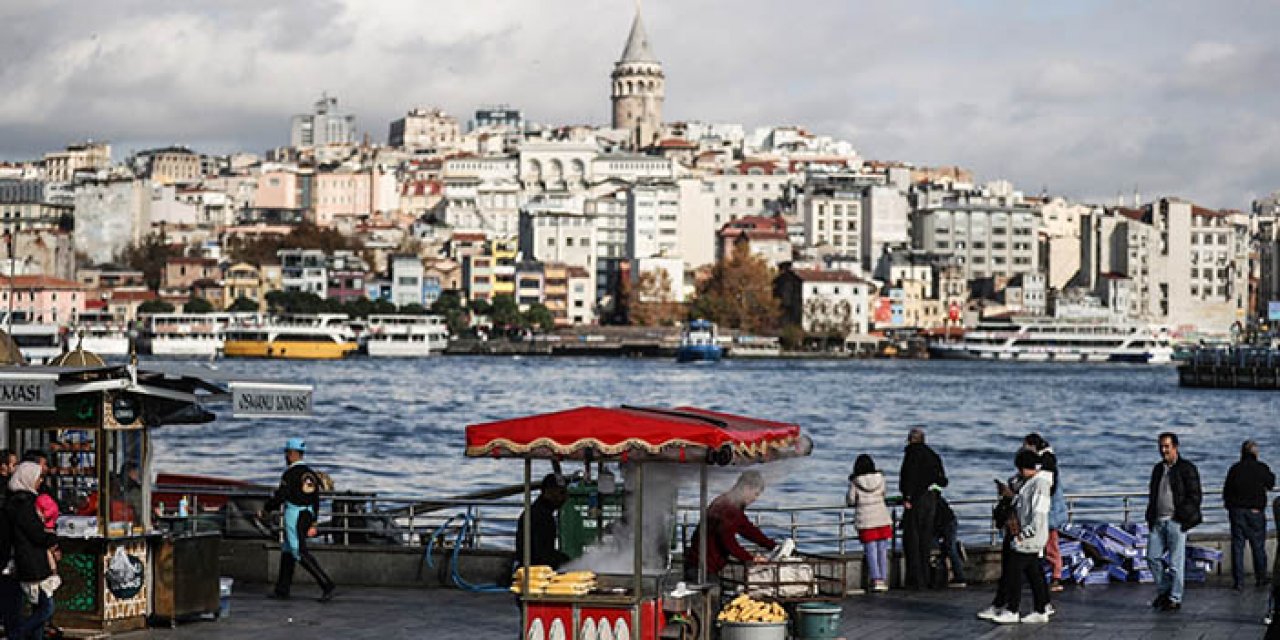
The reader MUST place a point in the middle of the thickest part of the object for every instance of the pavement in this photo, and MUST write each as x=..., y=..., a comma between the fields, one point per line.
x=1096, y=612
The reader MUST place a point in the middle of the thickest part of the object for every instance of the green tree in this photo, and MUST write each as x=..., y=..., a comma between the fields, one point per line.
x=198, y=305
x=155, y=306
x=539, y=316
x=412, y=308
x=296, y=302
x=792, y=337
x=505, y=313
x=481, y=307
x=739, y=294
x=243, y=304
x=449, y=305
x=149, y=257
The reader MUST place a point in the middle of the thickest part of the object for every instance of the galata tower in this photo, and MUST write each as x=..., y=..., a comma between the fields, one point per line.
x=638, y=88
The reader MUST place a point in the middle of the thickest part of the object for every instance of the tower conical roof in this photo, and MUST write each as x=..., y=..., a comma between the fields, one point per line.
x=637, y=44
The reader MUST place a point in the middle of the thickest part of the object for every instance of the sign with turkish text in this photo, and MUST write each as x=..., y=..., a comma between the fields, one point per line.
x=267, y=400
x=27, y=391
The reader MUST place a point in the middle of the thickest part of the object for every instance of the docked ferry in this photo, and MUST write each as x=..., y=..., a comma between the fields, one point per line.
x=1058, y=340
x=187, y=335
x=39, y=342
x=698, y=343
x=100, y=332
x=405, y=336
x=324, y=336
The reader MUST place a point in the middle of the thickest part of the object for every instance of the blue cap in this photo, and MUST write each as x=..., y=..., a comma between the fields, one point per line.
x=296, y=444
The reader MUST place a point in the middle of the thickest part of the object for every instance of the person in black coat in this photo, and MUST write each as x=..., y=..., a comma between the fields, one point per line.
x=544, y=528
x=1173, y=509
x=31, y=544
x=1245, y=496
x=921, y=469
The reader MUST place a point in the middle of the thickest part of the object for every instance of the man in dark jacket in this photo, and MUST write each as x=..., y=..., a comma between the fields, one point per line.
x=299, y=495
x=921, y=469
x=1245, y=495
x=1173, y=509
x=544, y=530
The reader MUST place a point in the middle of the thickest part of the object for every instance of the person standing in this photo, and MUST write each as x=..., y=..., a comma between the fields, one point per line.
x=921, y=470
x=1058, y=505
x=1245, y=496
x=545, y=529
x=1026, y=528
x=1173, y=509
x=871, y=517
x=948, y=534
x=32, y=544
x=299, y=495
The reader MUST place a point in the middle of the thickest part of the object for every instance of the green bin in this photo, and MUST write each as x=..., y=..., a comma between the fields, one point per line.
x=817, y=621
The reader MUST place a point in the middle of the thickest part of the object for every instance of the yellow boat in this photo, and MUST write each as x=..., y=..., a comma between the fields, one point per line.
x=298, y=337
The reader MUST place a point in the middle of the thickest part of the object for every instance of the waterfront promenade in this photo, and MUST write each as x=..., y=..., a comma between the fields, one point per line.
x=1097, y=613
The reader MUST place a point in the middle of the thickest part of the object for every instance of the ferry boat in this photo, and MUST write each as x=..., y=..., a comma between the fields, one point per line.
x=399, y=336
x=322, y=336
x=189, y=335
x=747, y=346
x=100, y=332
x=698, y=343
x=39, y=342
x=1058, y=340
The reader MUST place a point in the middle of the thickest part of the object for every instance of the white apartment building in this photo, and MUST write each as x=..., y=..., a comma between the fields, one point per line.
x=749, y=189
x=833, y=221
x=825, y=301
x=324, y=126
x=407, y=273
x=482, y=194
x=610, y=213
x=995, y=236
x=559, y=230
x=653, y=220
x=304, y=270
x=425, y=129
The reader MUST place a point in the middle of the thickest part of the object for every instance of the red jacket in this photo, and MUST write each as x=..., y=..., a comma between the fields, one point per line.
x=726, y=521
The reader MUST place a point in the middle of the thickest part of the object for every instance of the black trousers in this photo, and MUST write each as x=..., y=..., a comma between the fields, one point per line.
x=284, y=579
x=918, y=538
x=1014, y=567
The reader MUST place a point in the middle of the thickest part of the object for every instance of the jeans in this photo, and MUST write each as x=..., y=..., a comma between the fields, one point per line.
x=1248, y=525
x=917, y=539
x=32, y=628
x=877, y=554
x=1167, y=537
x=951, y=551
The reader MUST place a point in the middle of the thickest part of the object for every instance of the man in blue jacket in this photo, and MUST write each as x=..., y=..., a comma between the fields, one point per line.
x=1173, y=509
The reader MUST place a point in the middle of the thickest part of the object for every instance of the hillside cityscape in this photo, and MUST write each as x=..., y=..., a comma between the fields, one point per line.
x=492, y=219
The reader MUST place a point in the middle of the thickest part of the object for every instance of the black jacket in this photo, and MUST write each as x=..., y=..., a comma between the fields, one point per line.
x=1247, y=484
x=31, y=542
x=299, y=485
x=1184, y=482
x=543, y=535
x=921, y=467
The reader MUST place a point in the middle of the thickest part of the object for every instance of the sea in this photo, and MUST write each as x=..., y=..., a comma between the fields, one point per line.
x=396, y=426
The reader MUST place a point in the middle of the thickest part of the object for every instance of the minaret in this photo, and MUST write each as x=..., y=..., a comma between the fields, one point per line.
x=638, y=88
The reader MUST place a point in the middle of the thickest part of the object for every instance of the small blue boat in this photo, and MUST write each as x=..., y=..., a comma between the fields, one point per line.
x=698, y=343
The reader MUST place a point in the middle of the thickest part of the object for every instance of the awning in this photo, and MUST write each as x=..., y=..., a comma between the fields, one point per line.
x=682, y=434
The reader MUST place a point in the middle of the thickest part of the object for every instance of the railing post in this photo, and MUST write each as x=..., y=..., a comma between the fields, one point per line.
x=1126, y=509
x=413, y=534
x=475, y=528
x=842, y=531
x=794, y=529
x=346, y=523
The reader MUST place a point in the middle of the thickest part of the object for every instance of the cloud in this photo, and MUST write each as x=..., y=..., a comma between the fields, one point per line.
x=1085, y=98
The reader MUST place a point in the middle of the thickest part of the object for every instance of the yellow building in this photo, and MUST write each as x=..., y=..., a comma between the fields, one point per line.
x=504, y=256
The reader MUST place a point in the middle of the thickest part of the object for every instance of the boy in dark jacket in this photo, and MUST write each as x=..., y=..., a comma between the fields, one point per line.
x=1173, y=509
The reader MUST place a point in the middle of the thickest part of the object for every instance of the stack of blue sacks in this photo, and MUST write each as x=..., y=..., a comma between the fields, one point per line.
x=1100, y=553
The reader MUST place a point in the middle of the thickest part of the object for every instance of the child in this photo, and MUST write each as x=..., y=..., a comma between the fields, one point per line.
x=871, y=517
x=48, y=510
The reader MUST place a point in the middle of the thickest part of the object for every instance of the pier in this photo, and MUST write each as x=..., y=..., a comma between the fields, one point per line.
x=1231, y=368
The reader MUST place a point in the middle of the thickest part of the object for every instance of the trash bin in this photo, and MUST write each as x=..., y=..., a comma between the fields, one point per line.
x=224, y=596
x=817, y=621
x=753, y=631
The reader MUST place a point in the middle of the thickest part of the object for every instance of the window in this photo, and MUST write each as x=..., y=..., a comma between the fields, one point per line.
x=978, y=244
x=551, y=242
x=568, y=242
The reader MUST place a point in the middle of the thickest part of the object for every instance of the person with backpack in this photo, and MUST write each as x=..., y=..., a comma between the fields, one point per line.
x=1057, y=505
x=948, y=531
x=871, y=517
x=299, y=495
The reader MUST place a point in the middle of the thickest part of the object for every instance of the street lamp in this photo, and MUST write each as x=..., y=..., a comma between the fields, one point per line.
x=9, y=238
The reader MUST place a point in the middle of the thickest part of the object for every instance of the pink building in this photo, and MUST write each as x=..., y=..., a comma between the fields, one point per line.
x=44, y=299
x=277, y=190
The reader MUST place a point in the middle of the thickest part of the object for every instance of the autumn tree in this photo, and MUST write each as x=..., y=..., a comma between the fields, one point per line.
x=149, y=257
x=649, y=301
x=739, y=294
x=262, y=249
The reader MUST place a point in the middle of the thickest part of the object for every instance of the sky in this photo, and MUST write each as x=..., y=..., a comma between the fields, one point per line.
x=1082, y=98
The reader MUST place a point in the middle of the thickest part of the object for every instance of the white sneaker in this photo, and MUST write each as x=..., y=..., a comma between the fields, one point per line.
x=989, y=613
x=1049, y=610
x=1036, y=618
x=880, y=586
x=1006, y=617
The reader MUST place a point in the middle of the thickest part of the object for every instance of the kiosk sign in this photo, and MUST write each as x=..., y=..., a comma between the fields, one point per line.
x=267, y=400
x=27, y=392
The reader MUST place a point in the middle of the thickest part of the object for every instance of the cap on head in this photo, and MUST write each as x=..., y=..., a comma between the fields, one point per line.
x=296, y=444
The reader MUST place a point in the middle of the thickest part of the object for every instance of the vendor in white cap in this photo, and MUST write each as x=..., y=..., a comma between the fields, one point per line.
x=299, y=494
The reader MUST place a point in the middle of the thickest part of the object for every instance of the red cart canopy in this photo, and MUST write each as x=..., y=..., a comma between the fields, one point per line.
x=682, y=434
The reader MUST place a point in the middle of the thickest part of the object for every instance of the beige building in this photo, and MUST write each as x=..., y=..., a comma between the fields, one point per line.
x=425, y=129
x=168, y=165
x=639, y=89
x=61, y=166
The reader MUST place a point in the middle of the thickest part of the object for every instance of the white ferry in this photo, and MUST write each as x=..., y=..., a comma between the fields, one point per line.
x=1058, y=340
x=100, y=332
x=399, y=336
x=185, y=334
x=324, y=336
x=39, y=342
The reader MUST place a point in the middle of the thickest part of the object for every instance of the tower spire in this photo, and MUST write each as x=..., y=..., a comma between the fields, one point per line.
x=637, y=49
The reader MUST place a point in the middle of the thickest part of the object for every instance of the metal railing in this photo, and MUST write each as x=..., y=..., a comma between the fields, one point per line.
x=349, y=518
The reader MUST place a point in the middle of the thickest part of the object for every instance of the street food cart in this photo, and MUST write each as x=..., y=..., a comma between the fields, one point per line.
x=93, y=421
x=638, y=606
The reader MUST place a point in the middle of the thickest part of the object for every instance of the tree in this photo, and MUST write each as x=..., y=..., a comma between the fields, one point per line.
x=539, y=316
x=650, y=303
x=262, y=249
x=243, y=304
x=155, y=306
x=792, y=337
x=412, y=308
x=149, y=257
x=197, y=305
x=505, y=313
x=449, y=305
x=481, y=307
x=739, y=293
x=296, y=302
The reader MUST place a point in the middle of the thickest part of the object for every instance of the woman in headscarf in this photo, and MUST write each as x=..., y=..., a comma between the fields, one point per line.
x=871, y=517
x=726, y=520
x=31, y=545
